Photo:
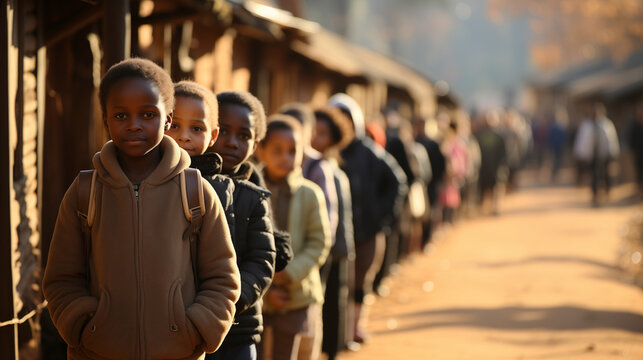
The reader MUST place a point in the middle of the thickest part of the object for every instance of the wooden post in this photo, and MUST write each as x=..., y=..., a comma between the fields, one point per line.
x=8, y=69
x=117, y=32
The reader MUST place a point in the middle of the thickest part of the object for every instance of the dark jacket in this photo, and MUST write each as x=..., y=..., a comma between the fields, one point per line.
x=253, y=243
x=282, y=239
x=378, y=187
x=209, y=164
x=438, y=166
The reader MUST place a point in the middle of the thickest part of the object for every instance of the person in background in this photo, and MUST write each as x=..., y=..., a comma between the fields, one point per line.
x=293, y=304
x=493, y=163
x=314, y=167
x=378, y=187
x=557, y=144
x=457, y=158
x=636, y=143
x=438, y=168
x=332, y=130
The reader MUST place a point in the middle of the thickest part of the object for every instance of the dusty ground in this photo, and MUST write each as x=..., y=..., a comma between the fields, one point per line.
x=537, y=282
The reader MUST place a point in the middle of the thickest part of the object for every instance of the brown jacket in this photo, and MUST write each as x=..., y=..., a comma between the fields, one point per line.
x=141, y=302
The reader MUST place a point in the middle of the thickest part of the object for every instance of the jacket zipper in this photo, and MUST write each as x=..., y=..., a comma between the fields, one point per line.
x=137, y=239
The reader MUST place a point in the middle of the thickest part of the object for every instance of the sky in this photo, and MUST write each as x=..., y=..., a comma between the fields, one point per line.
x=450, y=40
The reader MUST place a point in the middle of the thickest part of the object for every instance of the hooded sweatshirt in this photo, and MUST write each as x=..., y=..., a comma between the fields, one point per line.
x=140, y=301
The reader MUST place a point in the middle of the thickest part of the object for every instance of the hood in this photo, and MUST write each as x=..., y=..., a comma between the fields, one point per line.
x=173, y=161
x=349, y=104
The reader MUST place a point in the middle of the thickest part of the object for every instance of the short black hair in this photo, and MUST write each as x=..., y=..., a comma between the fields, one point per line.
x=138, y=68
x=247, y=100
x=339, y=124
x=193, y=90
x=299, y=111
x=278, y=122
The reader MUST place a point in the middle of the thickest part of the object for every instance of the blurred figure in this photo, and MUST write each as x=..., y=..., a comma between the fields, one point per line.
x=376, y=184
x=597, y=145
x=557, y=142
x=333, y=131
x=456, y=156
x=493, y=162
x=517, y=136
x=469, y=191
x=437, y=173
x=314, y=167
x=636, y=143
x=540, y=133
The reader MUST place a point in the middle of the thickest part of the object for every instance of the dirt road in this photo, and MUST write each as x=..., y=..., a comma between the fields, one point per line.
x=537, y=282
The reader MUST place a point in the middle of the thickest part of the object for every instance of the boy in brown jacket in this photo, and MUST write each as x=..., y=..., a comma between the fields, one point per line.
x=134, y=296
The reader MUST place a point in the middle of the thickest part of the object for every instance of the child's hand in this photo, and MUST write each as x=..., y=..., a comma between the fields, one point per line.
x=277, y=297
x=281, y=278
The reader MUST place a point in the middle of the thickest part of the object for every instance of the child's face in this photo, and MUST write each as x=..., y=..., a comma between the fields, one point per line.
x=322, y=139
x=135, y=116
x=190, y=126
x=280, y=154
x=236, y=141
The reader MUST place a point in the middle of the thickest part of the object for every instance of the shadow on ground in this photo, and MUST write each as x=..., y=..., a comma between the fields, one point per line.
x=549, y=259
x=517, y=318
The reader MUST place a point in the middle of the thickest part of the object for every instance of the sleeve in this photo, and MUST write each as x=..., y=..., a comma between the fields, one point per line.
x=322, y=175
x=317, y=233
x=391, y=187
x=65, y=281
x=283, y=246
x=213, y=309
x=256, y=264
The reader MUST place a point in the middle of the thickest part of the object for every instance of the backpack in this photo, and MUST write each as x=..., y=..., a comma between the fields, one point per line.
x=191, y=198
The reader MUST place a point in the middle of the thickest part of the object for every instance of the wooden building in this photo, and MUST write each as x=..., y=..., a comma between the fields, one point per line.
x=54, y=54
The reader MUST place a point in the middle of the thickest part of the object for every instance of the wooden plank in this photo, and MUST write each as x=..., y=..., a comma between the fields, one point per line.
x=116, y=31
x=8, y=334
x=71, y=26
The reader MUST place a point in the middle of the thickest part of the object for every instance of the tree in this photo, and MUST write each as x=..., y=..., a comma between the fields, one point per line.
x=568, y=31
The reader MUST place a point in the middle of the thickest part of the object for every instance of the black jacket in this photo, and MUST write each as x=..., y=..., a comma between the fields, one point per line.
x=254, y=245
x=378, y=187
x=438, y=166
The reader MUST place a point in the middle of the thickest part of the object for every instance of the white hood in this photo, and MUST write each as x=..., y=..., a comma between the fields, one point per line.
x=347, y=103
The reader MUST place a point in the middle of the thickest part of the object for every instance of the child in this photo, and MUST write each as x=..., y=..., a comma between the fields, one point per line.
x=332, y=131
x=292, y=305
x=243, y=124
x=195, y=127
x=134, y=294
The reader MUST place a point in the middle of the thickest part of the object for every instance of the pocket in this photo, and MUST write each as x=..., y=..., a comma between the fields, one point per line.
x=95, y=323
x=177, y=317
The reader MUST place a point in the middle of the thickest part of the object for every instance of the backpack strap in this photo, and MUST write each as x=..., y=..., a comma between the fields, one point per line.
x=86, y=180
x=192, y=198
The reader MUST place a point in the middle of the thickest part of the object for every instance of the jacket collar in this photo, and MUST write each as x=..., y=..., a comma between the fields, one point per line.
x=209, y=164
x=173, y=161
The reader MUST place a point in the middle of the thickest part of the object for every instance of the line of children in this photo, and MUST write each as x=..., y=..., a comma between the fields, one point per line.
x=292, y=308
x=140, y=291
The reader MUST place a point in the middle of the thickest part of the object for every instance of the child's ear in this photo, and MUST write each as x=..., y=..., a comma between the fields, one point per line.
x=215, y=135
x=168, y=121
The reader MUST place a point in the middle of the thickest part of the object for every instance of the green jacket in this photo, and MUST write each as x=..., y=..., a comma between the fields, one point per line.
x=310, y=233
